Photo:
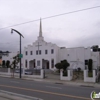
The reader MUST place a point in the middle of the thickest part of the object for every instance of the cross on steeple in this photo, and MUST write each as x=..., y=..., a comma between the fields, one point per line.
x=38, y=47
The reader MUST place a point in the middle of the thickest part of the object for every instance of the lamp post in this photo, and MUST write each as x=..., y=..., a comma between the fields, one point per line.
x=20, y=46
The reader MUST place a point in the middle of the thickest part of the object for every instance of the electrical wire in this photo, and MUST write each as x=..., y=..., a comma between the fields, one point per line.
x=51, y=17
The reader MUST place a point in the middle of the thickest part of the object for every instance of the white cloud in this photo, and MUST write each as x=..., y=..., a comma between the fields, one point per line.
x=77, y=29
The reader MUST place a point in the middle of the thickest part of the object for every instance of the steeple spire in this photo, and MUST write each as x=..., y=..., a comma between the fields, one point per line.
x=40, y=37
x=40, y=31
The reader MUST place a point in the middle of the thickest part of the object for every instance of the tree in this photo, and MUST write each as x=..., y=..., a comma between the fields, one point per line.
x=90, y=64
x=14, y=63
x=8, y=64
x=65, y=64
x=3, y=63
x=59, y=66
x=62, y=65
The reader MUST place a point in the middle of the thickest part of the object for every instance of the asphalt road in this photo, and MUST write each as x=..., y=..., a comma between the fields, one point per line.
x=46, y=91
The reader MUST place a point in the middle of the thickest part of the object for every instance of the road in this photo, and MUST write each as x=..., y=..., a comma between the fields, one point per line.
x=46, y=91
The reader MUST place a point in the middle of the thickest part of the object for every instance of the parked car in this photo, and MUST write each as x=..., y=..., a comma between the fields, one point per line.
x=28, y=72
x=18, y=70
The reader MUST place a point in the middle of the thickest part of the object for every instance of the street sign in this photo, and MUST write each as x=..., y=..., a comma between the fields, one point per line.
x=20, y=55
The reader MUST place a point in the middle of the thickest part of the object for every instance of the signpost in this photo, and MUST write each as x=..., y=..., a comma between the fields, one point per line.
x=20, y=55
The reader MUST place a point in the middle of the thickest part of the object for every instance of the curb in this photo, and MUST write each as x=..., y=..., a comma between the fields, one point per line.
x=15, y=96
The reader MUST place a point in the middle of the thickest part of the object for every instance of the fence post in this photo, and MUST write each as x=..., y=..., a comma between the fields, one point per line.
x=42, y=73
x=9, y=71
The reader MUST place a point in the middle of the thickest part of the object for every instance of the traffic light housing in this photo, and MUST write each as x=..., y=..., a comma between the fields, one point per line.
x=86, y=62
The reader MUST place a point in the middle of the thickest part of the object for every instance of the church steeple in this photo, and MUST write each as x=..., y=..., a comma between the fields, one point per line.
x=40, y=37
x=40, y=31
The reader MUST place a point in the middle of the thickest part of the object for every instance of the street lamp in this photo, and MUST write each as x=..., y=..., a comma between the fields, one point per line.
x=20, y=46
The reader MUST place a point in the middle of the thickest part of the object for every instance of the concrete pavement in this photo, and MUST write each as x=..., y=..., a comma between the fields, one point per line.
x=4, y=95
x=3, y=98
x=46, y=90
x=58, y=81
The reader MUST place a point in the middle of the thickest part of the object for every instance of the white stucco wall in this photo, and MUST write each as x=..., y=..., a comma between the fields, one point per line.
x=87, y=52
x=75, y=56
x=95, y=57
x=9, y=57
x=45, y=46
x=89, y=79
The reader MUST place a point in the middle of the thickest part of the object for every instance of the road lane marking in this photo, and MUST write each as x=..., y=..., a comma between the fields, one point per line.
x=14, y=82
x=46, y=92
x=54, y=87
x=18, y=95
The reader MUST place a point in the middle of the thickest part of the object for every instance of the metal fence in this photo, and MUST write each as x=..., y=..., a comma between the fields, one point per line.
x=3, y=69
x=36, y=72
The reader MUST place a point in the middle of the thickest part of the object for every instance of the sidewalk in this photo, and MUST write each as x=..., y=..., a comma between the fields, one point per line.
x=58, y=81
x=75, y=83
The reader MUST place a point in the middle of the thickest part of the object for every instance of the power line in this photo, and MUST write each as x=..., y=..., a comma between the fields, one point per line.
x=52, y=16
x=8, y=43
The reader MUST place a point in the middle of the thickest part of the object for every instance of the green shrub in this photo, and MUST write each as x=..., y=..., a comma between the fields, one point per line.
x=90, y=64
x=90, y=74
x=65, y=73
x=62, y=65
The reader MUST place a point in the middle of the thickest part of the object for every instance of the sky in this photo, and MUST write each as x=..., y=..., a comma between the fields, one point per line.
x=71, y=30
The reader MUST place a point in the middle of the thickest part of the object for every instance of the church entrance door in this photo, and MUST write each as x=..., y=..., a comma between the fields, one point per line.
x=45, y=64
x=32, y=64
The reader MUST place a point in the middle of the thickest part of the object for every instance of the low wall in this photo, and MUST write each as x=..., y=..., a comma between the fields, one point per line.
x=89, y=79
x=23, y=75
x=69, y=77
x=3, y=69
x=35, y=76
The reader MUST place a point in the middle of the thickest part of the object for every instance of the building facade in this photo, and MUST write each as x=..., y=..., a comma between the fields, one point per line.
x=44, y=55
x=40, y=54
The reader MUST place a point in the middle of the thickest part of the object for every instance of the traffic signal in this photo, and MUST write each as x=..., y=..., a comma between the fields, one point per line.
x=86, y=62
x=95, y=49
x=98, y=49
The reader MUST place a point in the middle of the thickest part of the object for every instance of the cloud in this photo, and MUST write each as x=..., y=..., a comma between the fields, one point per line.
x=77, y=29
x=89, y=41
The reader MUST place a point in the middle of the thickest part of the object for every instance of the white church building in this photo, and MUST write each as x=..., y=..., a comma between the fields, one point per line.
x=42, y=54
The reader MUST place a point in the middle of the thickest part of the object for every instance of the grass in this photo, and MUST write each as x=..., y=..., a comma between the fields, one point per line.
x=90, y=74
